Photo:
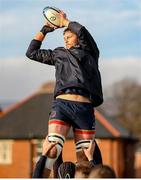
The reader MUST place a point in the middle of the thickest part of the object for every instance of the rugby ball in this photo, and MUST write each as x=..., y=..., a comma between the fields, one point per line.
x=52, y=15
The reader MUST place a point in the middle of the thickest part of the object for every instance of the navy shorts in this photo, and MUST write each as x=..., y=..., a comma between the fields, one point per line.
x=79, y=115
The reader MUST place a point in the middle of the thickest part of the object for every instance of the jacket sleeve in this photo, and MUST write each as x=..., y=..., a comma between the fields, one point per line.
x=38, y=172
x=86, y=41
x=41, y=55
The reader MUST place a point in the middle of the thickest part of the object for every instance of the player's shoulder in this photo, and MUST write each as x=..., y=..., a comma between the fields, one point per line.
x=60, y=51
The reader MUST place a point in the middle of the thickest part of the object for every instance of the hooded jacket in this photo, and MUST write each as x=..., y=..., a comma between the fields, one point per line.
x=76, y=67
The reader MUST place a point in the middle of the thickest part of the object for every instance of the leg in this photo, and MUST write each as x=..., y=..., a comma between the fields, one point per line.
x=84, y=131
x=58, y=126
x=57, y=132
x=82, y=139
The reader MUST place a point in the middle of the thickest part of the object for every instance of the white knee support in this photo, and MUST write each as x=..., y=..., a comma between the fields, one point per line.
x=82, y=143
x=54, y=137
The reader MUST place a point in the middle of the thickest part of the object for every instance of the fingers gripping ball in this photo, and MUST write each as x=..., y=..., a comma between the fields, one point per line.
x=56, y=150
x=52, y=15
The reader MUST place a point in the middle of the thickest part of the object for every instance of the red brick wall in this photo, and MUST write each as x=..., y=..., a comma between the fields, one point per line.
x=69, y=151
x=113, y=154
x=21, y=162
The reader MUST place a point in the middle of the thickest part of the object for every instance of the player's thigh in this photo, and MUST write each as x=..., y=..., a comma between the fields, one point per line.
x=57, y=132
x=58, y=119
x=58, y=127
x=84, y=129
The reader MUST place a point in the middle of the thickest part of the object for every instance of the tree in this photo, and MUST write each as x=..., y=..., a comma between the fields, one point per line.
x=123, y=102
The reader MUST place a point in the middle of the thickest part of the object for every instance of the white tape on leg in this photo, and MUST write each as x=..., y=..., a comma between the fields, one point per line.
x=51, y=161
x=54, y=137
x=82, y=143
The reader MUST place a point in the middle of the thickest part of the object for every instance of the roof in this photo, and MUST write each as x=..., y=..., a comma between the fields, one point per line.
x=6, y=104
x=29, y=119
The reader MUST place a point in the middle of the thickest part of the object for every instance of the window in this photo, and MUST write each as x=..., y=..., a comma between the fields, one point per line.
x=38, y=144
x=39, y=148
x=5, y=152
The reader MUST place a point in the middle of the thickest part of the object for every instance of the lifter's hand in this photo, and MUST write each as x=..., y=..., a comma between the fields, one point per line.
x=49, y=149
x=90, y=150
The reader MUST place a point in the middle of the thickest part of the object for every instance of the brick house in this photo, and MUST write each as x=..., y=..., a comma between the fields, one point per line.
x=23, y=126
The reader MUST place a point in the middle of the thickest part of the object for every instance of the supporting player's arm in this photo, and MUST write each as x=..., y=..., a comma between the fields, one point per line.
x=40, y=166
x=90, y=151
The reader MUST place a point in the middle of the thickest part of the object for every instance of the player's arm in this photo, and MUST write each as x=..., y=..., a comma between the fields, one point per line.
x=45, y=29
x=86, y=41
x=90, y=151
x=40, y=166
x=41, y=55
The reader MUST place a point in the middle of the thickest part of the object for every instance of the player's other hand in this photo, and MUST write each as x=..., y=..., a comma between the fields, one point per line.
x=90, y=150
x=63, y=19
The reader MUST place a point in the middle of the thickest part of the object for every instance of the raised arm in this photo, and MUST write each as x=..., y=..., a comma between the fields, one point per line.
x=86, y=41
x=41, y=55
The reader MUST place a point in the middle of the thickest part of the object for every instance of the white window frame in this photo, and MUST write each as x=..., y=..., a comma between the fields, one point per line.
x=6, y=151
x=38, y=143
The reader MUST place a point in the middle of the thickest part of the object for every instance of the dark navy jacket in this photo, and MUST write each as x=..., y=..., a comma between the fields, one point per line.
x=75, y=67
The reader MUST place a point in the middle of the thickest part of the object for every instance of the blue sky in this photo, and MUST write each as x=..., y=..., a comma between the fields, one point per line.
x=114, y=24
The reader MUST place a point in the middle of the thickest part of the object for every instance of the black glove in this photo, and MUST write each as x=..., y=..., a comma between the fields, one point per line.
x=46, y=29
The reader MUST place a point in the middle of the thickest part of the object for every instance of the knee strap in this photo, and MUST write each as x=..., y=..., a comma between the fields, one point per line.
x=82, y=143
x=54, y=137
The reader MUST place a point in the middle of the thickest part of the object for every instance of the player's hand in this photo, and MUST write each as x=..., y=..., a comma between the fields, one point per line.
x=49, y=25
x=63, y=19
x=90, y=150
x=49, y=149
